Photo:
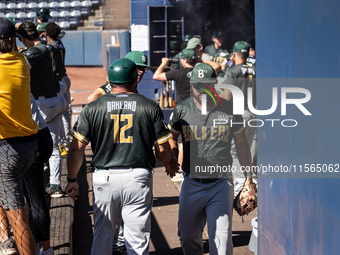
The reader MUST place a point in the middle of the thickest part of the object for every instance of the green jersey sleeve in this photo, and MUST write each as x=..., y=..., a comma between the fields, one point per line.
x=81, y=129
x=162, y=133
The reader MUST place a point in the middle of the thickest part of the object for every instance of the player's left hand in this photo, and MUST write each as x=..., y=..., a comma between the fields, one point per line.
x=172, y=168
x=72, y=190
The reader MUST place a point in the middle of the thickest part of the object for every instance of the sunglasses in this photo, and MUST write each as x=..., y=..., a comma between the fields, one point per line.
x=143, y=69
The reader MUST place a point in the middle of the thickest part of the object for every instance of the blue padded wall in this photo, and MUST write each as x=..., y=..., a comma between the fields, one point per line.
x=74, y=45
x=92, y=48
x=298, y=39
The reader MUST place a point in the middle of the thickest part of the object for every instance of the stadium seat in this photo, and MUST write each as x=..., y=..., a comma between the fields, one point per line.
x=95, y=2
x=10, y=14
x=31, y=15
x=32, y=5
x=20, y=17
x=21, y=5
x=85, y=7
x=11, y=6
x=2, y=14
x=43, y=5
x=53, y=5
x=64, y=25
x=74, y=17
x=2, y=6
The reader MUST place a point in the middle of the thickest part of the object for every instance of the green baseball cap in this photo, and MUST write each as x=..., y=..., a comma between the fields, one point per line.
x=122, y=71
x=187, y=54
x=192, y=43
x=241, y=47
x=203, y=73
x=187, y=37
x=41, y=27
x=138, y=57
x=12, y=19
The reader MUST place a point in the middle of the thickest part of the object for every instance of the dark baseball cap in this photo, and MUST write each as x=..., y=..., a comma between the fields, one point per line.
x=217, y=34
x=203, y=73
x=7, y=29
x=241, y=47
x=187, y=54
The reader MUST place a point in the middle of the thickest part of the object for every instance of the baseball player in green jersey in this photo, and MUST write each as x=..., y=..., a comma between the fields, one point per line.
x=46, y=91
x=123, y=127
x=242, y=76
x=207, y=189
x=140, y=60
x=52, y=32
x=215, y=50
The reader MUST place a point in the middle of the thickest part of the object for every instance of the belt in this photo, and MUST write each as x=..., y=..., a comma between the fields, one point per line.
x=202, y=180
x=205, y=180
x=44, y=97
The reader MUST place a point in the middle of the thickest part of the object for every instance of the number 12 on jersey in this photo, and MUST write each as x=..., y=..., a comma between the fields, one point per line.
x=119, y=132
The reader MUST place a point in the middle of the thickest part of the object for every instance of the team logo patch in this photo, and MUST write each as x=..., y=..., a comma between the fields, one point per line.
x=144, y=59
x=100, y=189
x=28, y=54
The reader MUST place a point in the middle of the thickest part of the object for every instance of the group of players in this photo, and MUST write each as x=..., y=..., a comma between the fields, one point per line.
x=127, y=132
x=132, y=125
x=35, y=124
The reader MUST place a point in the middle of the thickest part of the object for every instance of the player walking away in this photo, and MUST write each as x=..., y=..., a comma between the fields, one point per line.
x=123, y=128
x=207, y=195
x=52, y=33
x=242, y=76
x=140, y=60
x=46, y=91
x=180, y=76
x=18, y=142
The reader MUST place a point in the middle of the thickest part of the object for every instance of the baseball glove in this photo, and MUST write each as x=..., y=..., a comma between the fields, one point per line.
x=246, y=199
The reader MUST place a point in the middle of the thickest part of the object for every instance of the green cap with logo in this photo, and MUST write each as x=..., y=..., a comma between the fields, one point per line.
x=187, y=54
x=241, y=47
x=122, y=70
x=203, y=73
x=12, y=19
x=192, y=43
x=41, y=27
x=138, y=57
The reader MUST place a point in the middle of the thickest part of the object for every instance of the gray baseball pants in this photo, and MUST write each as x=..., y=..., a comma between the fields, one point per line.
x=126, y=193
x=206, y=202
x=51, y=110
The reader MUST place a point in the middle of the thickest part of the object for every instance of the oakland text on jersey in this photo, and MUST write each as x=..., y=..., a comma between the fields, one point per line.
x=121, y=105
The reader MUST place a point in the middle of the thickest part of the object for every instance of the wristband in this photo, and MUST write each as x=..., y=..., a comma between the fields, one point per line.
x=71, y=180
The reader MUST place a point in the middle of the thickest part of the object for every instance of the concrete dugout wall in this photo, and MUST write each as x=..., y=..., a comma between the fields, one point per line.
x=299, y=39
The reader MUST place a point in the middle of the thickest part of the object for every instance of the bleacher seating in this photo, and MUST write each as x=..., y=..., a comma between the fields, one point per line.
x=65, y=13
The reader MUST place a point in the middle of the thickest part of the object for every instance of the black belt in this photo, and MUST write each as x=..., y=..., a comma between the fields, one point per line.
x=205, y=180
x=48, y=96
x=202, y=180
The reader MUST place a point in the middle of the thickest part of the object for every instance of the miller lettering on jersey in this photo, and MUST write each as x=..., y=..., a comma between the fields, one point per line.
x=121, y=105
x=192, y=132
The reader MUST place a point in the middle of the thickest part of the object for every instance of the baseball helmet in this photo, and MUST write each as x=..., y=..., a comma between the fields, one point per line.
x=122, y=70
x=43, y=14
